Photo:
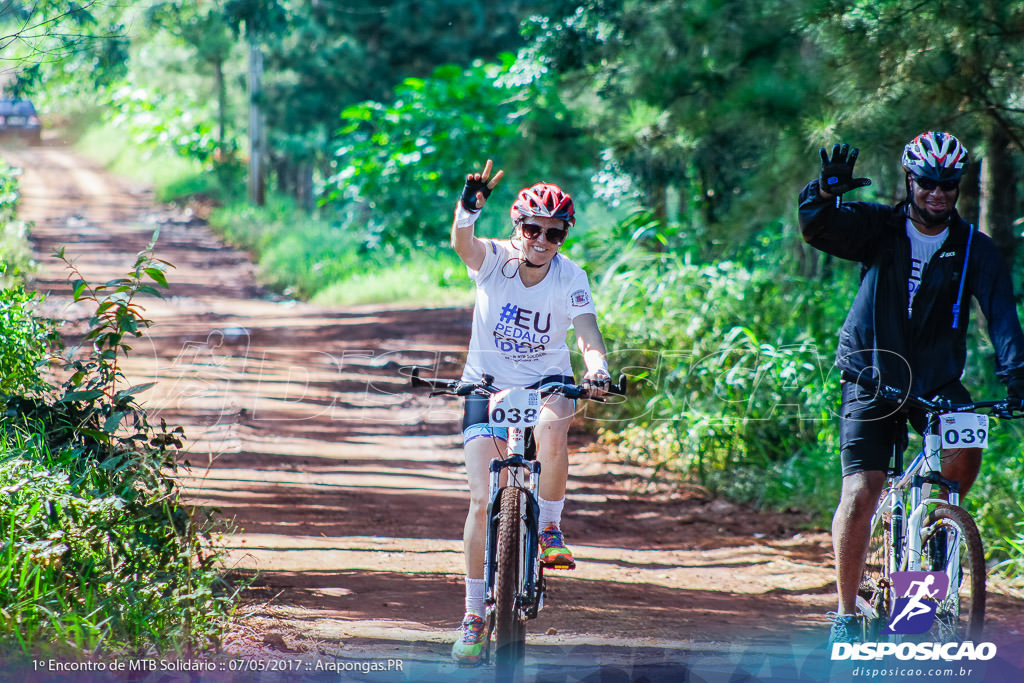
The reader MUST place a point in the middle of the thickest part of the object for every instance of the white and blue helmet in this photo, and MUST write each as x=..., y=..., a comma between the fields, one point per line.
x=935, y=155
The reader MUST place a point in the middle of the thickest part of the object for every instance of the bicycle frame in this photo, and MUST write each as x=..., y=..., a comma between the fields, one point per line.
x=905, y=491
x=925, y=531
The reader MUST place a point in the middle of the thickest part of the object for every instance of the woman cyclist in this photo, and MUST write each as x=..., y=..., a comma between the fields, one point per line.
x=527, y=297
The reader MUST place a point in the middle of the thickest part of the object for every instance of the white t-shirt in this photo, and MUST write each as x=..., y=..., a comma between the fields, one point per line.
x=922, y=248
x=518, y=331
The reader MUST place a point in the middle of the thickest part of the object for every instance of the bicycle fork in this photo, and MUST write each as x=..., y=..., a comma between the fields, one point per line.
x=918, y=507
x=531, y=594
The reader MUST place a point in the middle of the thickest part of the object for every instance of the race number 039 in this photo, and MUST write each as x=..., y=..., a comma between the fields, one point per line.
x=964, y=430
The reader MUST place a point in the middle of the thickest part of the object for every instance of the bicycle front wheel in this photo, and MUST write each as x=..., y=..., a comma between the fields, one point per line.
x=875, y=596
x=509, y=625
x=950, y=543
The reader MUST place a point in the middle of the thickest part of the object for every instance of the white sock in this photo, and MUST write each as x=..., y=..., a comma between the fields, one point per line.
x=475, y=596
x=550, y=512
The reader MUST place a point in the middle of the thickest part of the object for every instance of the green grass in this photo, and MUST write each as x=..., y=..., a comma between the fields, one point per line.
x=330, y=263
x=424, y=281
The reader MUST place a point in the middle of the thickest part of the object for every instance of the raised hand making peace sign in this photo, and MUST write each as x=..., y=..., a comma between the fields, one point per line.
x=478, y=187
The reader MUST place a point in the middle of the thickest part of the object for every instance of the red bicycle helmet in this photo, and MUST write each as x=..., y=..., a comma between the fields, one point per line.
x=935, y=155
x=544, y=200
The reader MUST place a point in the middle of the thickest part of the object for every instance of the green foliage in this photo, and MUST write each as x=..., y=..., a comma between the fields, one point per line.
x=27, y=340
x=732, y=367
x=15, y=252
x=98, y=553
x=400, y=165
x=180, y=121
x=688, y=99
x=84, y=568
x=27, y=336
x=316, y=259
x=328, y=56
x=77, y=38
x=923, y=64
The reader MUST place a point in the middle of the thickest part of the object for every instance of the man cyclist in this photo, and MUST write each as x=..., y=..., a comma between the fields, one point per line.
x=907, y=326
x=527, y=297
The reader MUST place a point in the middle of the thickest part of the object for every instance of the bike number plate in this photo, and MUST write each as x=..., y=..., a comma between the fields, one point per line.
x=964, y=430
x=515, y=408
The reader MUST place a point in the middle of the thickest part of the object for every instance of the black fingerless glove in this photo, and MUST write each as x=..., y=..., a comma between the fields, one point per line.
x=837, y=173
x=469, y=194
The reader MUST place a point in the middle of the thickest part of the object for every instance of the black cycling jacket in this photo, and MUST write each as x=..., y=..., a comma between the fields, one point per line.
x=922, y=353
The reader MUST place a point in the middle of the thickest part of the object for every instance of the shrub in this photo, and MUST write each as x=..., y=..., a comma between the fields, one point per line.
x=27, y=338
x=99, y=554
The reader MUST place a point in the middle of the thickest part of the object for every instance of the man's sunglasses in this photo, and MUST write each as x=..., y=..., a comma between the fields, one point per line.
x=944, y=185
x=554, y=235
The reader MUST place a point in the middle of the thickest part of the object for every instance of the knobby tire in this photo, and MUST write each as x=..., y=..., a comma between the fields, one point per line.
x=961, y=616
x=510, y=629
x=876, y=585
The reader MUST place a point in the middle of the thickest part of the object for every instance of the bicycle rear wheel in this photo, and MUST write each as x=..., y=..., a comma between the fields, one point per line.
x=951, y=539
x=509, y=625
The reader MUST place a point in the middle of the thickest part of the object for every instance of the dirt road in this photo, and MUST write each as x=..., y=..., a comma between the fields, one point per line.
x=348, y=490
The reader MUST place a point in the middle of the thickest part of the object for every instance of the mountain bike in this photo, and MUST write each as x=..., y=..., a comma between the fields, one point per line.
x=513, y=575
x=914, y=529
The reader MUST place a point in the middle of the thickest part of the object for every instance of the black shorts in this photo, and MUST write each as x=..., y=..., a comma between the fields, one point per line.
x=474, y=415
x=871, y=430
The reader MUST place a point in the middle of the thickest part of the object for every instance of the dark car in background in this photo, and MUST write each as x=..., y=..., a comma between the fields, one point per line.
x=18, y=119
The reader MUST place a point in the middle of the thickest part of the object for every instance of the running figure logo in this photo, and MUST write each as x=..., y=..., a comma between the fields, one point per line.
x=919, y=594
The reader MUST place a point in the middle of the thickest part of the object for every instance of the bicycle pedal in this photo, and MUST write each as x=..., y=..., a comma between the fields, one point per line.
x=563, y=565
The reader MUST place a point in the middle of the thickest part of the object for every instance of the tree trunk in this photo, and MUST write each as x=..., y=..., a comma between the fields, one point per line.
x=304, y=186
x=998, y=193
x=222, y=105
x=257, y=182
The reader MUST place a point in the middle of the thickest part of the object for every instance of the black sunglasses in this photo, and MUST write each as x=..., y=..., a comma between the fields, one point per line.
x=554, y=235
x=944, y=185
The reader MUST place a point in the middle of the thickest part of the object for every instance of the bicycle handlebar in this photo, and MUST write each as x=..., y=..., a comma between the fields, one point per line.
x=1007, y=408
x=485, y=387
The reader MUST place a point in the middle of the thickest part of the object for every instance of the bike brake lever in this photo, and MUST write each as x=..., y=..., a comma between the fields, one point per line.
x=1006, y=411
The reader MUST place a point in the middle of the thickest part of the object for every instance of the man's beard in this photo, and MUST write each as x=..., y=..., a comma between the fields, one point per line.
x=931, y=217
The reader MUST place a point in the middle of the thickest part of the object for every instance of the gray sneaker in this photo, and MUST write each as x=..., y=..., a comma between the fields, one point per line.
x=846, y=628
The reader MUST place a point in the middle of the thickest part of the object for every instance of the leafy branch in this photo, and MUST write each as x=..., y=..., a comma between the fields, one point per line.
x=92, y=393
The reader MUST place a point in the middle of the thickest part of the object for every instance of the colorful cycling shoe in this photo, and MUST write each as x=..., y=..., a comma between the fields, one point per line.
x=469, y=647
x=846, y=628
x=553, y=552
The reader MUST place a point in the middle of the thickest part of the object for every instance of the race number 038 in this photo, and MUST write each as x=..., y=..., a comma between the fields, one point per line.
x=964, y=430
x=515, y=408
